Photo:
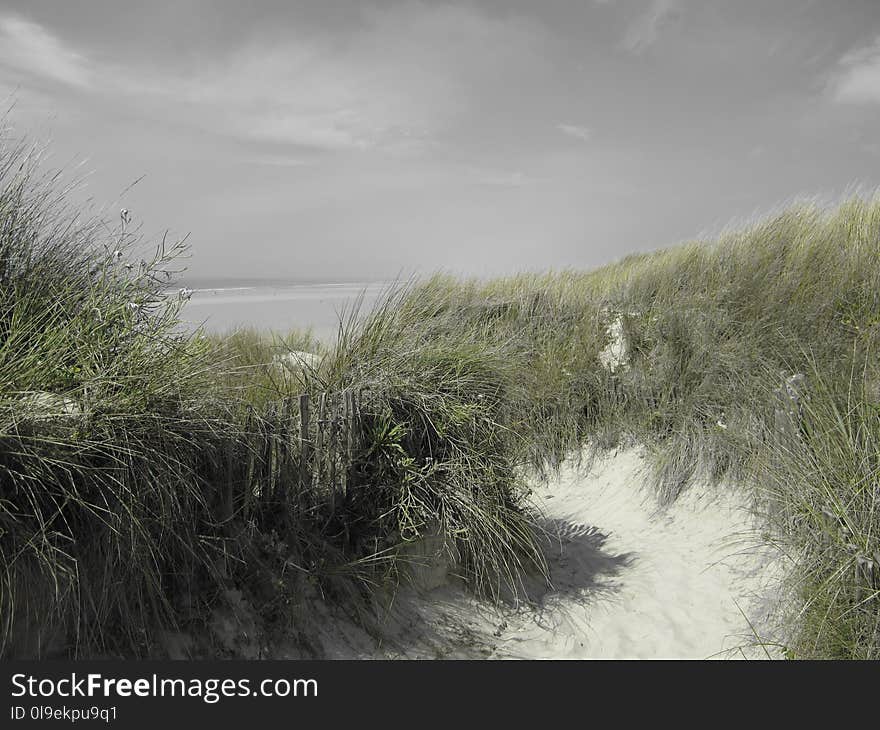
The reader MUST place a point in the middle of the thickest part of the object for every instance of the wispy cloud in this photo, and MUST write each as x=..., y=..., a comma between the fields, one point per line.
x=857, y=80
x=645, y=30
x=28, y=48
x=502, y=179
x=575, y=130
x=397, y=83
x=394, y=82
x=276, y=161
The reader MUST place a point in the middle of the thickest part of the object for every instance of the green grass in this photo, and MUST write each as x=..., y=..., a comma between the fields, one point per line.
x=102, y=427
x=121, y=439
x=714, y=328
x=823, y=492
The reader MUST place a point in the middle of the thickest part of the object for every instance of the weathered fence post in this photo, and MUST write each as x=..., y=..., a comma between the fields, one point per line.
x=271, y=459
x=331, y=445
x=304, y=473
x=320, y=453
x=249, y=423
x=347, y=448
x=283, y=469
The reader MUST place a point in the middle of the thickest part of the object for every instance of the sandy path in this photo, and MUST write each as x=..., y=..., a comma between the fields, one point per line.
x=639, y=582
x=629, y=581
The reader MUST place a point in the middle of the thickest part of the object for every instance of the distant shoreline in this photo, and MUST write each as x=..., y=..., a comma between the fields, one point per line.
x=249, y=282
x=278, y=306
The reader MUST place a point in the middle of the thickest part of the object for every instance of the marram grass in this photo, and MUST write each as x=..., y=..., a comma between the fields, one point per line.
x=121, y=438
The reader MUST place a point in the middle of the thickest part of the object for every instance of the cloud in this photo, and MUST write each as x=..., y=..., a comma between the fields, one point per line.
x=857, y=80
x=502, y=179
x=645, y=30
x=26, y=47
x=276, y=161
x=576, y=131
x=397, y=82
x=393, y=81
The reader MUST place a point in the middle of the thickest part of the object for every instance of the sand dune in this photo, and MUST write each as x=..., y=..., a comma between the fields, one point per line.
x=690, y=581
x=630, y=580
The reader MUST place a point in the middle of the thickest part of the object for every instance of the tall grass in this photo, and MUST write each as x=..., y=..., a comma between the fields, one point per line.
x=121, y=439
x=823, y=491
x=714, y=330
x=101, y=430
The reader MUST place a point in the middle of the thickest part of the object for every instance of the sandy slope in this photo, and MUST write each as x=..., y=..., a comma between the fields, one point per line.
x=629, y=581
x=670, y=583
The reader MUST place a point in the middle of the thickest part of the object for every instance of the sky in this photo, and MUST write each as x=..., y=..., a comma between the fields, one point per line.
x=357, y=140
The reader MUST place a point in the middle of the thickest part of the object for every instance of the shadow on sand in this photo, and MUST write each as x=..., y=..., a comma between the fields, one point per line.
x=577, y=560
x=448, y=622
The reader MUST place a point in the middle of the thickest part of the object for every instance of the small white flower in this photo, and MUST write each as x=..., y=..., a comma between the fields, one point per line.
x=117, y=254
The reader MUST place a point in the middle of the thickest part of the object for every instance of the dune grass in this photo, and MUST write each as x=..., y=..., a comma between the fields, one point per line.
x=122, y=438
x=101, y=425
x=714, y=332
x=823, y=491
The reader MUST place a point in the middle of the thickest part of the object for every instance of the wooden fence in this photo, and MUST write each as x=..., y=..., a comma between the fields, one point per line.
x=299, y=456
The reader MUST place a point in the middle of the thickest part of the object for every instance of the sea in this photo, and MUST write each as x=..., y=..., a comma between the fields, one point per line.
x=223, y=305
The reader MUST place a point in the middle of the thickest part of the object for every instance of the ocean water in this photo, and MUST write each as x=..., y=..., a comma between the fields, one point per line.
x=225, y=305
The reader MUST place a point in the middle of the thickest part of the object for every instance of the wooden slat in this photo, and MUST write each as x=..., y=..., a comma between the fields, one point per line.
x=249, y=425
x=271, y=459
x=322, y=428
x=305, y=455
x=284, y=452
x=353, y=434
x=333, y=437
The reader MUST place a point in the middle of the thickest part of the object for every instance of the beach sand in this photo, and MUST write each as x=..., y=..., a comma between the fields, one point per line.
x=630, y=580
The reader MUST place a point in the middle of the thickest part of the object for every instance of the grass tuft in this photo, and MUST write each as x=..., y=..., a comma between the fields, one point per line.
x=132, y=455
